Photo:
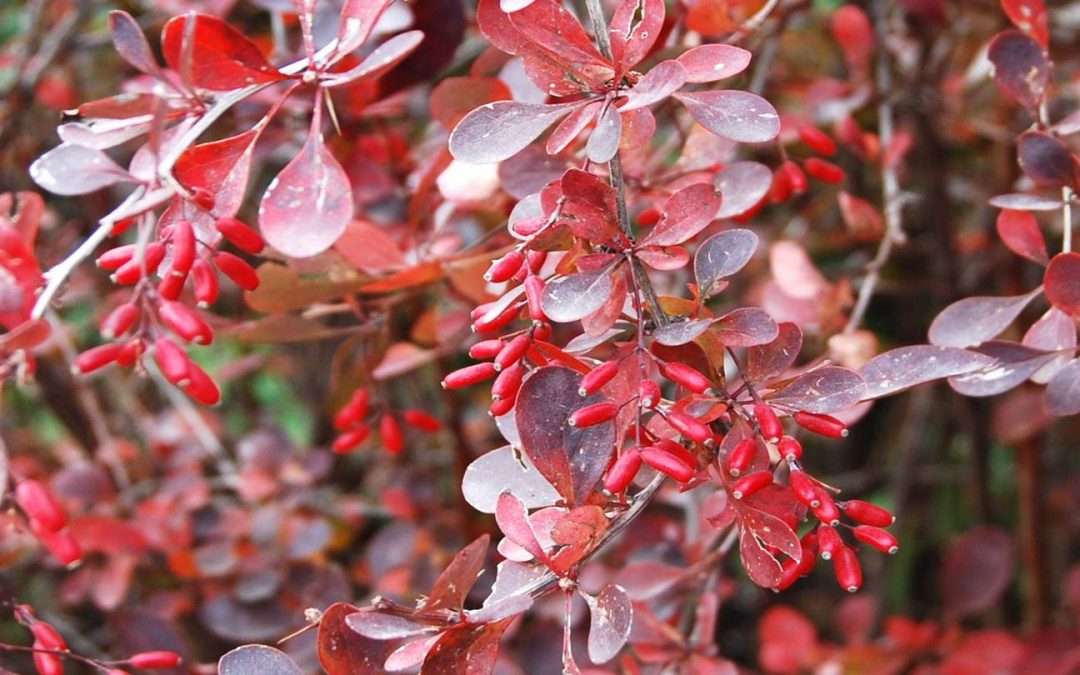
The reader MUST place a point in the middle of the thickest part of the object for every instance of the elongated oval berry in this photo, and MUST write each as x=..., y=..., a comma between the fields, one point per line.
x=508, y=382
x=741, y=456
x=206, y=284
x=876, y=537
x=795, y=176
x=486, y=349
x=594, y=414
x=47, y=636
x=241, y=273
x=391, y=434
x=183, y=249
x=809, y=544
x=596, y=378
x=201, y=386
x=513, y=351
x=185, y=323
x=350, y=439
x=488, y=324
x=354, y=411
x=171, y=286
x=116, y=257
x=46, y=663
x=240, y=234
x=418, y=419
x=824, y=425
x=751, y=483
x=790, y=449
x=130, y=352
x=469, y=375
x=789, y=574
x=867, y=513
x=133, y=269
x=63, y=547
x=649, y=216
x=151, y=660
x=121, y=226
x=500, y=408
x=669, y=464
x=780, y=190
x=534, y=292
x=805, y=488
x=541, y=330
x=847, y=568
x=826, y=510
x=172, y=360
x=689, y=427
x=535, y=260
x=649, y=391
x=623, y=471
x=826, y=172
x=686, y=376
x=829, y=541
x=505, y=267
x=817, y=140
x=95, y=358
x=768, y=422
x=39, y=503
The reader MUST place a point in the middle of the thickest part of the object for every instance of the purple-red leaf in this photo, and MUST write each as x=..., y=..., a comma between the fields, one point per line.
x=720, y=256
x=610, y=617
x=746, y=327
x=383, y=58
x=635, y=26
x=310, y=203
x=972, y=321
x=455, y=582
x=571, y=459
x=221, y=168
x=469, y=649
x=742, y=185
x=738, y=115
x=130, y=42
x=357, y=19
x=1062, y=282
x=663, y=80
x=976, y=571
x=712, y=62
x=513, y=520
x=376, y=625
x=907, y=367
x=257, y=659
x=1020, y=232
x=1063, y=391
x=764, y=362
x=603, y=142
x=680, y=332
x=687, y=212
x=757, y=531
x=1013, y=363
x=501, y=129
x=343, y=651
x=823, y=390
x=1021, y=67
x=221, y=57
x=574, y=297
x=1046, y=160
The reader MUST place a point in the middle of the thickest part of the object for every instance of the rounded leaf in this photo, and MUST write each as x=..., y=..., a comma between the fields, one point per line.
x=257, y=659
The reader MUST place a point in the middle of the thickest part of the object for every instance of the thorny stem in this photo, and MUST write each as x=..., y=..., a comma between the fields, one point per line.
x=890, y=183
x=1066, y=219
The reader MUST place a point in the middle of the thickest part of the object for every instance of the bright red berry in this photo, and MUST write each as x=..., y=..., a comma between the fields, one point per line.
x=505, y=267
x=826, y=172
x=829, y=541
x=418, y=419
x=120, y=320
x=817, y=140
x=649, y=391
x=206, y=283
x=513, y=351
x=350, y=439
x=241, y=273
x=751, y=483
x=867, y=513
x=508, y=382
x=534, y=292
x=790, y=449
x=599, y=376
x=39, y=503
x=623, y=471
x=741, y=456
x=240, y=234
x=848, y=570
x=876, y=537
x=594, y=414
x=687, y=377
x=689, y=427
x=151, y=660
x=391, y=434
x=824, y=425
x=95, y=358
x=769, y=423
x=486, y=349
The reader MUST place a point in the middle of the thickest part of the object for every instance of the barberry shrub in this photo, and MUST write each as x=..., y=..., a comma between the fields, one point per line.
x=679, y=254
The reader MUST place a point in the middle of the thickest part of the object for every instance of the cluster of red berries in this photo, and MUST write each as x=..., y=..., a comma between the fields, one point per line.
x=50, y=648
x=352, y=423
x=48, y=521
x=155, y=318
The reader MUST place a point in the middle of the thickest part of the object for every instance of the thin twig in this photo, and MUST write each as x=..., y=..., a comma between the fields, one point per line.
x=890, y=183
x=1066, y=219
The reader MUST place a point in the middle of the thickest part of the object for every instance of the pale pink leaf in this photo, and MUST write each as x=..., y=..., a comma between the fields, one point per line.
x=257, y=659
x=721, y=256
x=972, y=321
x=610, y=617
x=603, y=142
x=687, y=212
x=504, y=470
x=1063, y=391
x=906, y=367
x=742, y=185
x=712, y=62
x=746, y=327
x=383, y=58
x=738, y=115
x=71, y=169
x=501, y=129
x=663, y=80
x=576, y=296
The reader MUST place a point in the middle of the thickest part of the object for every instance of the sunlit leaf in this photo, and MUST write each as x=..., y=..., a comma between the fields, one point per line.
x=257, y=659
x=70, y=169
x=721, y=256
x=822, y=390
x=687, y=212
x=712, y=62
x=663, y=80
x=610, y=617
x=1020, y=232
x=576, y=296
x=746, y=327
x=681, y=332
x=906, y=367
x=971, y=321
x=1013, y=363
x=742, y=185
x=1063, y=390
x=221, y=57
x=738, y=115
x=1062, y=282
x=500, y=471
x=501, y=129
x=603, y=142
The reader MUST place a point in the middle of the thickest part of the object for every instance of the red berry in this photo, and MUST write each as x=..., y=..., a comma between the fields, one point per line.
x=513, y=351
x=826, y=510
x=826, y=172
x=418, y=419
x=47, y=636
x=203, y=198
x=687, y=377
x=649, y=216
x=876, y=537
x=795, y=177
x=240, y=234
x=201, y=387
x=95, y=358
x=505, y=267
x=596, y=378
x=116, y=257
x=668, y=463
x=867, y=513
x=780, y=191
x=649, y=391
x=171, y=285
x=150, y=660
x=741, y=456
x=185, y=323
x=817, y=140
x=623, y=471
x=824, y=425
x=241, y=273
x=183, y=249
x=768, y=422
x=469, y=375
x=130, y=352
x=829, y=541
x=594, y=414
x=39, y=503
x=206, y=283
x=133, y=269
x=350, y=439
x=500, y=408
x=848, y=570
x=689, y=427
x=535, y=260
x=121, y=226
x=790, y=449
x=63, y=547
x=751, y=483
x=805, y=488
x=508, y=382
x=489, y=322
x=173, y=361
x=391, y=434
x=47, y=664
x=486, y=349
x=534, y=292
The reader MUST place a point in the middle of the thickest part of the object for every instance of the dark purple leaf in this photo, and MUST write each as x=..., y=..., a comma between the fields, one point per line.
x=603, y=142
x=571, y=459
x=469, y=649
x=503, y=470
x=499, y=130
x=972, y=321
x=574, y=297
x=1046, y=160
x=309, y=204
x=764, y=362
x=907, y=367
x=823, y=390
x=742, y=185
x=687, y=212
x=976, y=571
x=1013, y=364
x=680, y=332
x=663, y=80
x=343, y=651
x=610, y=617
x=738, y=115
x=746, y=327
x=1025, y=202
x=453, y=585
x=1021, y=67
x=1062, y=282
x=1021, y=233
x=1063, y=391
x=257, y=659
x=130, y=42
x=71, y=169
x=712, y=62
x=383, y=58
x=720, y=256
